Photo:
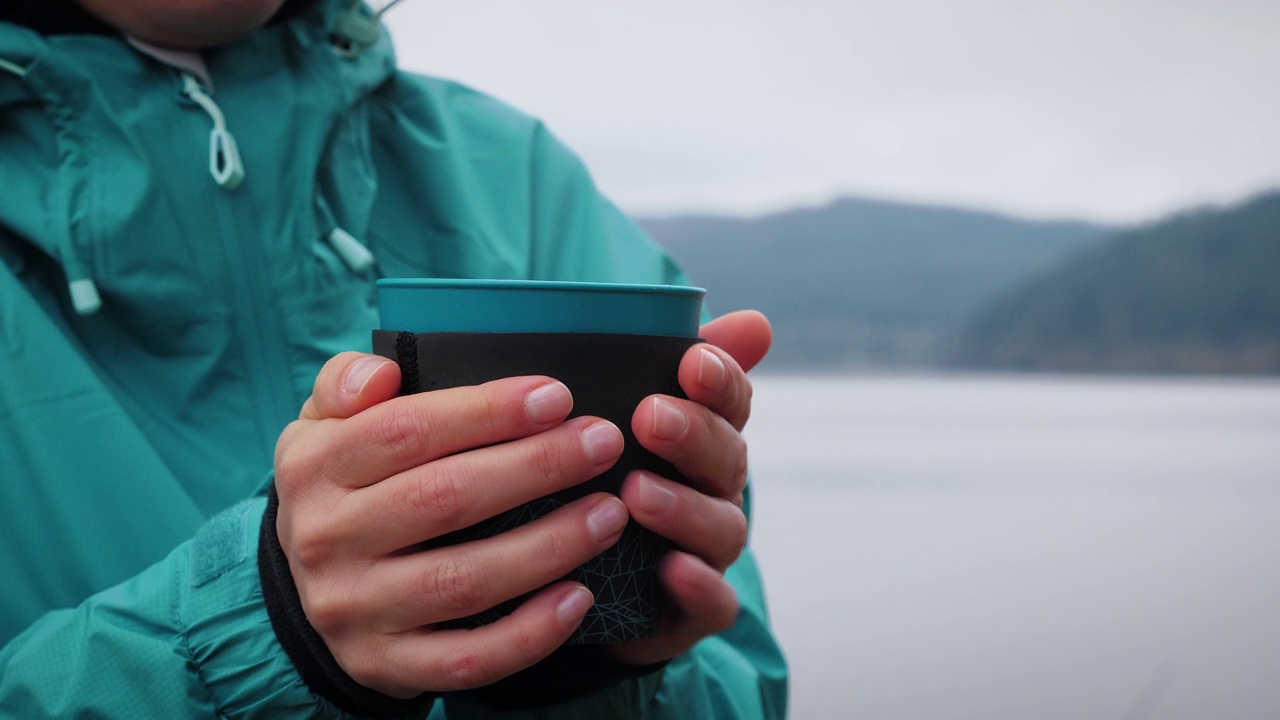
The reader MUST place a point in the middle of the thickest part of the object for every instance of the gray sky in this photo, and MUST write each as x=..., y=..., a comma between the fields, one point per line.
x=1114, y=110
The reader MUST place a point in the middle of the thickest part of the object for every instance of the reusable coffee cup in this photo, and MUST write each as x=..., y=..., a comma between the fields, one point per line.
x=612, y=345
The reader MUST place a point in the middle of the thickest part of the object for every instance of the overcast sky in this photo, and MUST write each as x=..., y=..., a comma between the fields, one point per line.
x=1111, y=110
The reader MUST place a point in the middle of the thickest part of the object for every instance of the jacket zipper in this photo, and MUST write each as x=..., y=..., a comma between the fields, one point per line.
x=257, y=318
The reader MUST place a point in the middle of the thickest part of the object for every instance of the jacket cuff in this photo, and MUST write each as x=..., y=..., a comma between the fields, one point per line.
x=304, y=646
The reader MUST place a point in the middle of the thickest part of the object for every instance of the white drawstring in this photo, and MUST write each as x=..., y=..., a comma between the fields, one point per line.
x=344, y=244
x=13, y=68
x=84, y=296
x=224, y=156
x=81, y=288
x=353, y=253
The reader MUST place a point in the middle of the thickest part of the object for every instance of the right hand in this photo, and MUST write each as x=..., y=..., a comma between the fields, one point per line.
x=363, y=476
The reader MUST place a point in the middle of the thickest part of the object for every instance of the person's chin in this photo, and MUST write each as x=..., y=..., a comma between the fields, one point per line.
x=185, y=24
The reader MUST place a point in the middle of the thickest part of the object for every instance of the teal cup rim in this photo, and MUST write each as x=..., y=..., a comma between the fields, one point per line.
x=421, y=305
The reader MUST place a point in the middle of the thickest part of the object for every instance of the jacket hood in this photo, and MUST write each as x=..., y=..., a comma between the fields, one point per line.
x=94, y=127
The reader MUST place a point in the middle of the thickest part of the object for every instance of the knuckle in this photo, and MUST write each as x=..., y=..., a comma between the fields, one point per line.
x=736, y=534
x=295, y=459
x=288, y=437
x=368, y=674
x=307, y=550
x=489, y=412
x=438, y=497
x=457, y=584
x=309, y=545
x=465, y=669
x=327, y=611
x=526, y=646
x=546, y=458
x=367, y=667
x=559, y=551
x=403, y=430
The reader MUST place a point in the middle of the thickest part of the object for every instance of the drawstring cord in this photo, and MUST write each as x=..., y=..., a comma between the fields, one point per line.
x=81, y=288
x=352, y=251
x=84, y=296
x=12, y=68
x=224, y=157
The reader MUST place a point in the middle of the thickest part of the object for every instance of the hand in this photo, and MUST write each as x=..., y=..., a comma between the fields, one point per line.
x=363, y=475
x=702, y=437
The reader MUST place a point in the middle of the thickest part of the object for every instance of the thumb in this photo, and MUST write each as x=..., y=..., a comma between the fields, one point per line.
x=349, y=383
x=746, y=335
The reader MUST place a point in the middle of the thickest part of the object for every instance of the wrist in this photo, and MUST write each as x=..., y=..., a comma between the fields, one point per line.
x=304, y=646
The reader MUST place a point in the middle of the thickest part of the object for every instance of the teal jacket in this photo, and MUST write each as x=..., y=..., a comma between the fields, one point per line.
x=159, y=328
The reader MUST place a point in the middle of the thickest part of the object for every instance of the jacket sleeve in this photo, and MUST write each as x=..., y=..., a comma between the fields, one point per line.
x=578, y=234
x=188, y=637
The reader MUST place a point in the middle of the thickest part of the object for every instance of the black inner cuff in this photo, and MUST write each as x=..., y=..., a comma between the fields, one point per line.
x=569, y=673
x=319, y=670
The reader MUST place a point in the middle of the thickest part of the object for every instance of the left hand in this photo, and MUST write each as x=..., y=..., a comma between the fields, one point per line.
x=702, y=437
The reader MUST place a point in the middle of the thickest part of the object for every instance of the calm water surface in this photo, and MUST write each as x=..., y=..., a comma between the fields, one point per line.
x=1022, y=547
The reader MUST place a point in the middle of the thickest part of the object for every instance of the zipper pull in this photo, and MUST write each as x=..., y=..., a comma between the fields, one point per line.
x=224, y=157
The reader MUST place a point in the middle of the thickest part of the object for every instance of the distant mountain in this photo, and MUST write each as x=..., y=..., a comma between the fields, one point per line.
x=1199, y=292
x=865, y=283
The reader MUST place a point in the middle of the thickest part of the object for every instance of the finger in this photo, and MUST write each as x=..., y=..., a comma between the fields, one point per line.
x=711, y=377
x=422, y=660
x=453, y=582
x=706, y=449
x=703, y=603
x=409, y=431
x=460, y=490
x=713, y=529
x=746, y=335
x=349, y=383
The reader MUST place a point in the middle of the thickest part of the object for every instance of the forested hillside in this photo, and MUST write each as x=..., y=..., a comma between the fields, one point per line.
x=1199, y=292
x=862, y=283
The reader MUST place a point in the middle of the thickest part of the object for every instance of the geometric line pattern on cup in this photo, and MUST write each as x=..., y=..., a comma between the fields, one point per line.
x=623, y=580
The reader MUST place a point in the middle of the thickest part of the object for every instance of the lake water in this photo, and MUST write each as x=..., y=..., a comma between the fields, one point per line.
x=1022, y=546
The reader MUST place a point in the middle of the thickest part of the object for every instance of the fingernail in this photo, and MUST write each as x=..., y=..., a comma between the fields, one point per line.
x=669, y=421
x=359, y=374
x=548, y=403
x=711, y=370
x=654, y=496
x=602, y=442
x=606, y=519
x=574, y=605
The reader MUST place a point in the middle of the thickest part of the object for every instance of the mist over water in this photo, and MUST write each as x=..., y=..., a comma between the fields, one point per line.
x=1022, y=547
